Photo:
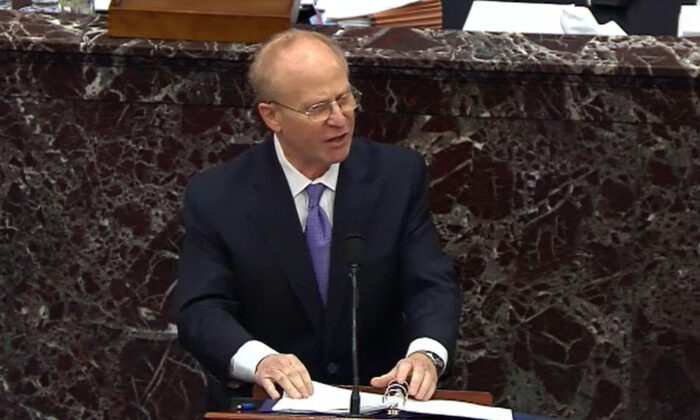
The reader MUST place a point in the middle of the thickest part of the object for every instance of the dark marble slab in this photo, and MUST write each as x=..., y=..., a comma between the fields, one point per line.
x=566, y=178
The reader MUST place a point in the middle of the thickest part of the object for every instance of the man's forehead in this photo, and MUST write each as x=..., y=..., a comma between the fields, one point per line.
x=298, y=67
x=304, y=51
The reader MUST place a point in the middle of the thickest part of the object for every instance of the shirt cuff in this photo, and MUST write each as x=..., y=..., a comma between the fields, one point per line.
x=428, y=344
x=246, y=359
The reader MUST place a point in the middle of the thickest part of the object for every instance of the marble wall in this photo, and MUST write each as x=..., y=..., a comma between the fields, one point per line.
x=566, y=178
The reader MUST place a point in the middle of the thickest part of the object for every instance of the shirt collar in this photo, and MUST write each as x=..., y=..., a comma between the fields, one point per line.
x=296, y=180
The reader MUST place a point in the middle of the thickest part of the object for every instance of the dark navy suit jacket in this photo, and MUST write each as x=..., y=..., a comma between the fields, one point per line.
x=245, y=271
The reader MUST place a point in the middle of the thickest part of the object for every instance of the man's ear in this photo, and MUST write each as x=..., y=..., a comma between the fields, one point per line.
x=270, y=116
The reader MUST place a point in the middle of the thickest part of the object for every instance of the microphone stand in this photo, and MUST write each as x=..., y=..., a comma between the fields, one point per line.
x=355, y=396
x=354, y=248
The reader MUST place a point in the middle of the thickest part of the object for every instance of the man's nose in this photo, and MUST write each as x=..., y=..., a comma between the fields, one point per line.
x=337, y=116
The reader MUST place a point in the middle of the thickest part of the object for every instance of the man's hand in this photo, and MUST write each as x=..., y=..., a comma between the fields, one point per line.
x=287, y=371
x=420, y=369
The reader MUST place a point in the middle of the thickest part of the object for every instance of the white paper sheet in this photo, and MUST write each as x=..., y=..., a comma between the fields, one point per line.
x=689, y=21
x=536, y=18
x=101, y=5
x=458, y=409
x=501, y=16
x=580, y=21
x=333, y=400
x=329, y=399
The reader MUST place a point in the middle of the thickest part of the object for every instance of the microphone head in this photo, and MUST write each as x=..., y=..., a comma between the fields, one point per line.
x=354, y=249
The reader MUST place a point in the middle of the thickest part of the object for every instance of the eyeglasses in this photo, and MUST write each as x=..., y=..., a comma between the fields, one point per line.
x=321, y=111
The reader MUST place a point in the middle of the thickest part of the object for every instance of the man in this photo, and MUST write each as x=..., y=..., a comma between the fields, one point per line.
x=263, y=294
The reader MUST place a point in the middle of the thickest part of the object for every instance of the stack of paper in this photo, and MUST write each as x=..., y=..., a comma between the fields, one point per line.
x=507, y=16
x=405, y=13
x=423, y=14
x=328, y=399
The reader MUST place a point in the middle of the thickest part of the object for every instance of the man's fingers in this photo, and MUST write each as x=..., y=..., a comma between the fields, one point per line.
x=306, y=378
x=289, y=387
x=297, y=381
x=427, y=388
x=291, y=381
x=288, y=372
x=424, y=375
x=300, y=376
x=420, y=370
x=269, y=386
x=404, y=368
x=431, y=390
x=416, y=380
x=384, y=380
x=381, y=381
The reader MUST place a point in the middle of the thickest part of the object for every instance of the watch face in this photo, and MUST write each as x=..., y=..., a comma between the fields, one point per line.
x=435, y=358
x=611, y=3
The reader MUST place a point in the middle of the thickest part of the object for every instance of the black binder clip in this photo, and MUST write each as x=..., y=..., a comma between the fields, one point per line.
x=395, y=397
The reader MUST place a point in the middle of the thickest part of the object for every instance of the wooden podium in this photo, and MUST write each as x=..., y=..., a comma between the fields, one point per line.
x=246, y=21
x=474, y=397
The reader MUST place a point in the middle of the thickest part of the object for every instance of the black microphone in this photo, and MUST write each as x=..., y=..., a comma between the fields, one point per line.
x=354, y=250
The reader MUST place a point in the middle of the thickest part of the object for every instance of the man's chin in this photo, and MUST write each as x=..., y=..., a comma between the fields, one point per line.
x=340, y=152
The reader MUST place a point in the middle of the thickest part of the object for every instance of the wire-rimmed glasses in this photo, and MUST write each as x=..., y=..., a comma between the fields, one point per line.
x=321, y=111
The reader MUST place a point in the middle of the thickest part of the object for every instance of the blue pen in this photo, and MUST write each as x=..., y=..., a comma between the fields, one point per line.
x=246, y=407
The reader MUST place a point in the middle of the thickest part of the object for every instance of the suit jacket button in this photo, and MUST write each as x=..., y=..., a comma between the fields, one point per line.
x=332, y=368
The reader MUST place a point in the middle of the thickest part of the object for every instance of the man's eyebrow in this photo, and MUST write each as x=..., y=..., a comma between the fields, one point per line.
x=325, y=101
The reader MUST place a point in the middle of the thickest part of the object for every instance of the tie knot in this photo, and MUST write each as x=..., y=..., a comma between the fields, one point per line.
x=314, y=192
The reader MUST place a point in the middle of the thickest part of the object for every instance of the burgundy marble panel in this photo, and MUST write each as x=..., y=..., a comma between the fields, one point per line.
x=665, y=341
x=566, y=177
x=544, y=244
x=91, y=193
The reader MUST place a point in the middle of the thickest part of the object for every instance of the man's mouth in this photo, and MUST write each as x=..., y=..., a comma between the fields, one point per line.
x=337, y=139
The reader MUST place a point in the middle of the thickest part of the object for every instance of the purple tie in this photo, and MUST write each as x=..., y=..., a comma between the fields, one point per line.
x=318, y=237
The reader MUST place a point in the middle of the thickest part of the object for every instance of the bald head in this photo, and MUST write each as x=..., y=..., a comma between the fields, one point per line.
x=289, y=50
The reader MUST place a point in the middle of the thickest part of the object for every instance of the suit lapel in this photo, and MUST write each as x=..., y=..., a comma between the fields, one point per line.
x=354, y=197
x=274, y=213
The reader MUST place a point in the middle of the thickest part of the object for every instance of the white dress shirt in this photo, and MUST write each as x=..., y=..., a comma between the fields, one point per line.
x=245, y=361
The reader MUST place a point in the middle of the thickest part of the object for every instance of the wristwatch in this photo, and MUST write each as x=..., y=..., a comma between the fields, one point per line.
x=609, y=3
x=437, y=360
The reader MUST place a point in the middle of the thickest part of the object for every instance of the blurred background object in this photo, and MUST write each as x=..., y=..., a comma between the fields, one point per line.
x=86, y=7
x=689, y=21
x=541, y=18
x=635, y=17
x=43, y=6
x=425, y=14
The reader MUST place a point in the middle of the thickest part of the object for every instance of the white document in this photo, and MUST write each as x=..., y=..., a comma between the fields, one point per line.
x=342, y=9
x=457, y=409
x=101, y=5
x=580, y=21
x=333, y=400
x=328, y=399
x=689, y=21
x=502, y=16
x=536, y=18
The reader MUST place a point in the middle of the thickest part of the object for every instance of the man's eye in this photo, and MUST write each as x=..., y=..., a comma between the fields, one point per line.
x=317, y=108
x=346, y=99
